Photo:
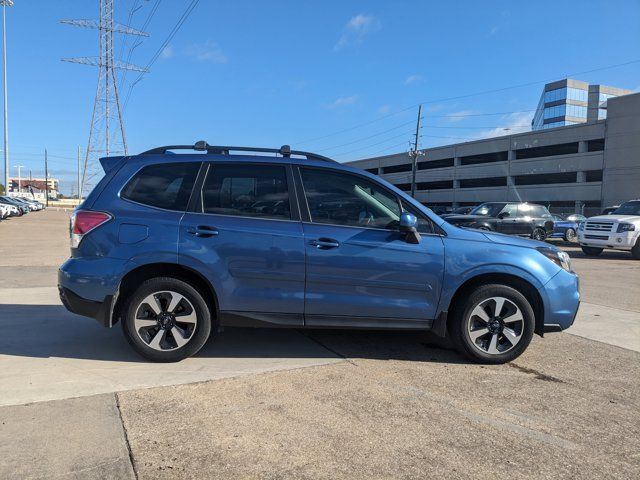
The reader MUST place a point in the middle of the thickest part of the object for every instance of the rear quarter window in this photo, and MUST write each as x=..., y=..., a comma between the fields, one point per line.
x=166, y=185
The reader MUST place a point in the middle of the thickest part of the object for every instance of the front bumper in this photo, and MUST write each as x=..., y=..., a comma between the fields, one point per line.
x=561, y=299
x=621, y=241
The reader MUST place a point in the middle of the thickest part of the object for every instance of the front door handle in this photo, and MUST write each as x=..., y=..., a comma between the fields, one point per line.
x=324, y=243
x=203, y=231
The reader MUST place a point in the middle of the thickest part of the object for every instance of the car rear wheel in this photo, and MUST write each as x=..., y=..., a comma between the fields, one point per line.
x=570, y=235
x=539, y=234
x=635, y=251
x=592, y=251
x=166, y=320
x=493, y=325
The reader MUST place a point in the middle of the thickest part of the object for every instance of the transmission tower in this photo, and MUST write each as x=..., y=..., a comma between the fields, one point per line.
x=106, y=130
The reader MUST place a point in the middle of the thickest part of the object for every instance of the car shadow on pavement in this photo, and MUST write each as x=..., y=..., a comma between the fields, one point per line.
x=43, y=331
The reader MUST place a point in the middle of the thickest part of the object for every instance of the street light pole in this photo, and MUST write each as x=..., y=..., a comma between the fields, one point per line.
x=5, y=4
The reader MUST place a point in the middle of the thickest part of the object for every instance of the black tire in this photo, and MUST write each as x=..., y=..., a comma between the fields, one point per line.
x=539, y=234
x=199, y=334
x=635, y=251
x=461, y=318
x=592, y=251
x=570, y=235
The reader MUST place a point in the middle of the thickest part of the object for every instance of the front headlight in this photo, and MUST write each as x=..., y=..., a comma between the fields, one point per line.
x=558, y=257
x=581, y=226
x=626, y=227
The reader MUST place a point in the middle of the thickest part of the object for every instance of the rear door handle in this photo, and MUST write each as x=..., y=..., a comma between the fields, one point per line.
x=203, y=231
x=324, y=243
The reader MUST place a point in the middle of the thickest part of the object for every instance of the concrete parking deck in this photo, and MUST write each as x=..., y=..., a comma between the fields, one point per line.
x=369, y=405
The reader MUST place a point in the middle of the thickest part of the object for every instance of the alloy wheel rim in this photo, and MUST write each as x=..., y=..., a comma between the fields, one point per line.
x=537, y=235
x=165, y=320
x=571, y=234
x=495, y=325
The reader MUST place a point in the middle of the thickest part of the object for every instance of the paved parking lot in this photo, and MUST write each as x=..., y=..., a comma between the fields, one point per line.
x=366, y=404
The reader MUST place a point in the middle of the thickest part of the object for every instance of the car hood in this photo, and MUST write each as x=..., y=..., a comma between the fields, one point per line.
x=514, y=240
x=614, y=218
x=466, y=218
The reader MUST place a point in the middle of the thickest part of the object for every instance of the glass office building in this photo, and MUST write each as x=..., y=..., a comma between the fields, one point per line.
x=571, y=102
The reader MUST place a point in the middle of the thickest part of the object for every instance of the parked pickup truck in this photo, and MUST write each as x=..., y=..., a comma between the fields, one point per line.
x=619, y=230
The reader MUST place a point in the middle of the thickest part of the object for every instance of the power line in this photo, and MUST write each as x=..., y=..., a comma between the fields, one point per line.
x=458, y=97
x=155, y=56
x=138, y=41
x=365, y=138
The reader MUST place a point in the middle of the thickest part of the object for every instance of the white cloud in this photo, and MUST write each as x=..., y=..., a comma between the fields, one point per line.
x=384, y=109
x=517, y=122
x=344, y=101
x=356, y=29
x=167, y=52
x=461, y=115
x=207, y=52
x=411, y=79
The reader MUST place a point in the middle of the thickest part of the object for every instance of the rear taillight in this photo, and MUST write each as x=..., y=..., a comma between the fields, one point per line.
x=83, y=221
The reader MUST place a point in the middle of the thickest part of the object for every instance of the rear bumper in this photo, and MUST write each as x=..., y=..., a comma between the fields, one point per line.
x=88, y=286
x=561, y=298
x=101, y=311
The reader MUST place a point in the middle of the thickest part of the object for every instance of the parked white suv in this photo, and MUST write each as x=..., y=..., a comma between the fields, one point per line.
x=620, y=230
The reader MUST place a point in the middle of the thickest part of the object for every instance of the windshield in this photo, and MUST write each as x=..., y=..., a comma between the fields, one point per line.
x=488, y=209
x=629, y=208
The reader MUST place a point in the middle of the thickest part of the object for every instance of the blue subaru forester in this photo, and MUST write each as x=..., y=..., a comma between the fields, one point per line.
x=175, y=246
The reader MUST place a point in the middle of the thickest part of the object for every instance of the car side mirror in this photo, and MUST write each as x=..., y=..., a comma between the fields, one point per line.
x=504, y=215
x=408, y=226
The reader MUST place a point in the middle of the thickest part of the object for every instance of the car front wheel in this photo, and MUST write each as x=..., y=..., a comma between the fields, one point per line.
x=592, y=251
x=493, y=325
x=166, y=320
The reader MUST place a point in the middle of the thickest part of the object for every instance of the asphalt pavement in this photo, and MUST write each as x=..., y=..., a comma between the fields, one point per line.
x=311, y=404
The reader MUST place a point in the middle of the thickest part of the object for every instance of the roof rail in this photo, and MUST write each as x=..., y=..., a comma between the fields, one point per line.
x=202, y=146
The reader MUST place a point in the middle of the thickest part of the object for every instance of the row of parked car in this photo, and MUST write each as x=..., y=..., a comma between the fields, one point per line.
x=617, y=229
x=18, y=206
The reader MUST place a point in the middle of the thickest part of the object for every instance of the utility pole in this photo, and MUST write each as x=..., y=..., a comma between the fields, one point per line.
x=106, y=129
x=79, y=189
x=5, y=4
x=414, y=153
x=46, y=176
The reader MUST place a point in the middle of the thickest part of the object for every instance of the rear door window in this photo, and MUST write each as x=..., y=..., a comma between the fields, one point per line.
x=165, y=185
x=247, y=190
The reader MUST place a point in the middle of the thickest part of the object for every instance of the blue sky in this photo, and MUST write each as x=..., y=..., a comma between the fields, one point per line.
x=270, y=73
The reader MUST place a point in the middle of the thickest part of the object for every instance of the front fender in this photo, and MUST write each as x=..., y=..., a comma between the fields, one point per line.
x=465, y=260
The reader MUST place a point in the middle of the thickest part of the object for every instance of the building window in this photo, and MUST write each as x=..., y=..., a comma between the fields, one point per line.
x=429, y=164
x=405, y=167
x=545, y=178
x=438, y=185
x=595, y=145
x=576, y=111
x=483, y=182
x=593, y=176
x=548, y=151
x=406, y=187
x=372, y=170
x=602, y=113
x=484, y=158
